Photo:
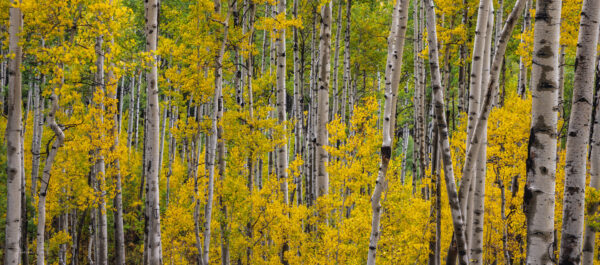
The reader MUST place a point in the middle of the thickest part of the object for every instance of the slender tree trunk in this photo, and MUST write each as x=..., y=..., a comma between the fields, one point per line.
x=130, y=128
x=41, y=225
x=561, y=82
x=522, y=83
x=212, y=142
x=578, y=136
x=323, y=101
x=347, y=72
x=457, y=218
x=13, y=136
x=392, y=80
x=336, y=61
x=589, y=241
x=152, y=132
x=282, y=150
x=476, y=238
x=541, y=163
x=36, y=142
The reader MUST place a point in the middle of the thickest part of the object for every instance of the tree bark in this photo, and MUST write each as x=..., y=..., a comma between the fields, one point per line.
x=392, y=79
x=539, y=189
x=578, y=136
x=282, y=150
x=45, y=182
x=438, y=93
x=13, y=141
x=153, y=139
x=323, y=101
x=589, y=241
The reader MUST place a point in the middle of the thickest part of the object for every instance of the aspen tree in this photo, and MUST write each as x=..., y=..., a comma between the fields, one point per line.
x=541, y=163
x=346, y=74
x=38, y=129
x=393, y=67
x=46, y=173
x=323, y=101
x=476, y=229
x=522, y=81
x=154, y=253
x=282, y=150
x=13, y=136
x=465, y=193
x=589, y=240
x=578, y=135
x=438, y=93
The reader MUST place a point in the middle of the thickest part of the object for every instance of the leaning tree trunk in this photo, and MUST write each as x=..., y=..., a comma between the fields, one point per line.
x=41, y=225
x=438, y=93
x=322, y=156
x=13, y=141
x=590, y=232
x=538, y=198
x=392, y=79
x=578, y=136
x=465, y=193
x=152, y=145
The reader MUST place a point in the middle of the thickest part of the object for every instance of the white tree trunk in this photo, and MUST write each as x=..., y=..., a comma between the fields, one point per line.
x=13, y=141
x=578, y=135
x=589, y=241
x=438, y=93
x=36, y=142
x=539, y=189
x=282, y=150
x=476, y=231
x=41, y=225
x=323, y=101
x=152, y=145
x=392, y=79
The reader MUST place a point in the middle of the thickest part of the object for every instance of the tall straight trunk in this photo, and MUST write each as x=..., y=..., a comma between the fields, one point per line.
x=438, y=93
x=417, y=88
x=152, y=145
x=538, y=198
x=578, y=136
x=13, y=141
x=119, y=235
x=435, y=218
x=297, y=106
x=589, y=242
x=41, y=225
x=336, y=61
x=99, y=171
x=392, y=80
x=476, y=229
x=282, y=150
x=130, y=127
x=137, y=112
x=346, y=74
x=212, y=142
x=36, y=142
x=323, y=100
x=522, y=81
x=561, y=82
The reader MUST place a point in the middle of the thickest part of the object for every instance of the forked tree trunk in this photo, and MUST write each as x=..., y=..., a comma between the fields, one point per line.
x=41, y=225
x=438, y=93
x=578, y=136
x=392, y=79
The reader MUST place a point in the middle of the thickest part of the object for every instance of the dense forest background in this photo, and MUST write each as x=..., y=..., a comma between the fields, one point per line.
x=299, y=131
